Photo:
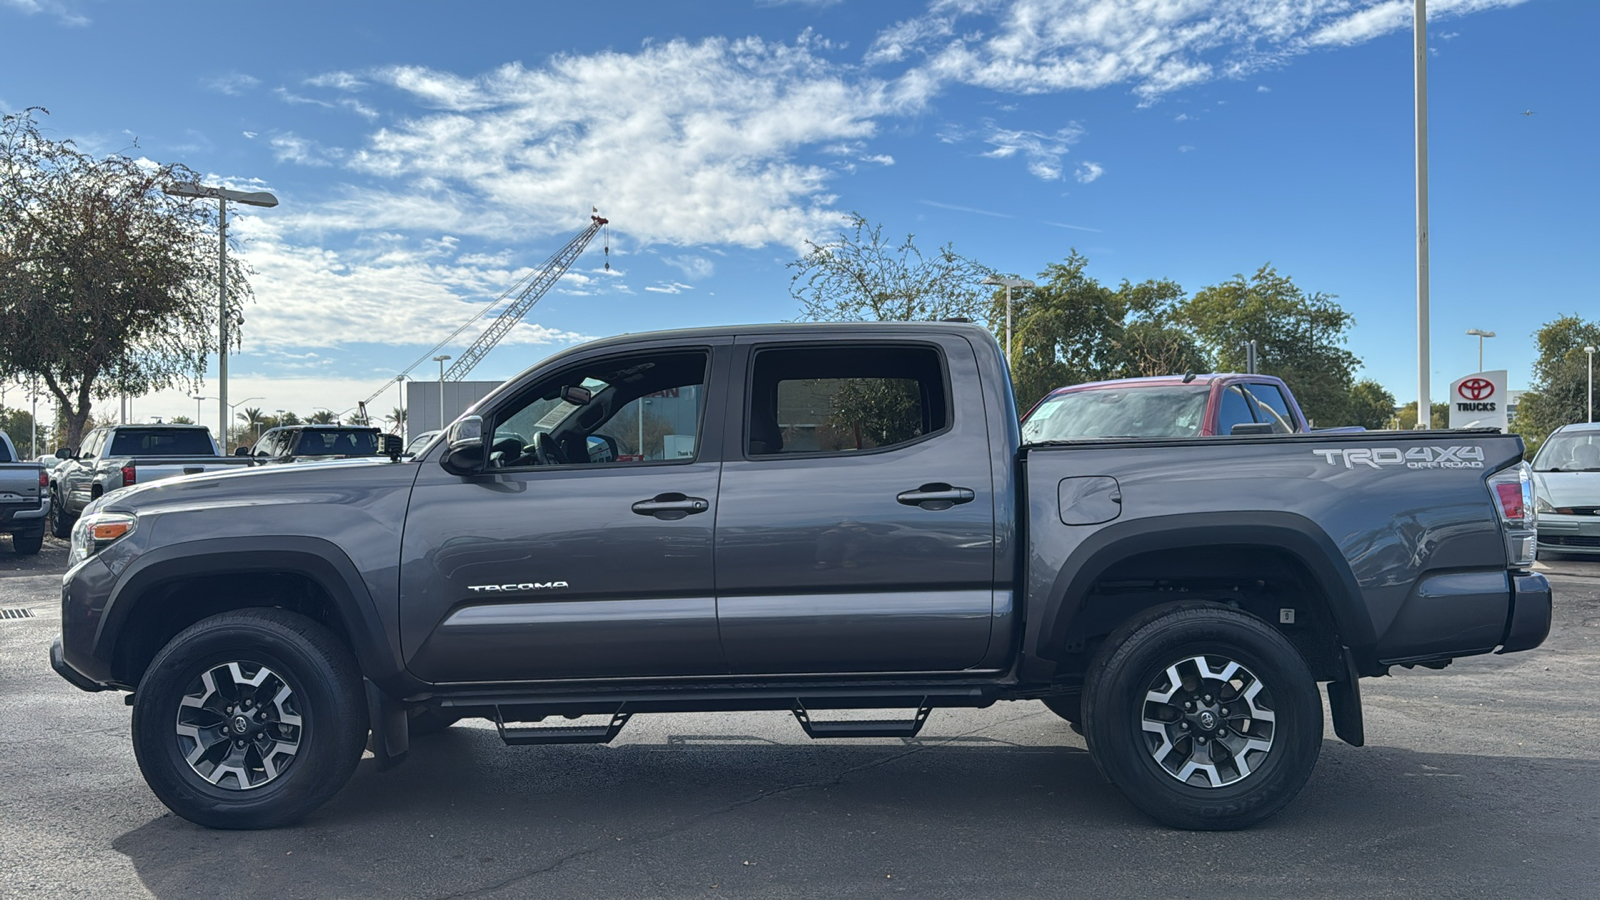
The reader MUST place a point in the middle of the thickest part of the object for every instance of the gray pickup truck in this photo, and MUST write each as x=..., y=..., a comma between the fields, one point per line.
x=805, y=518
x=117, y=456
x=24, y=499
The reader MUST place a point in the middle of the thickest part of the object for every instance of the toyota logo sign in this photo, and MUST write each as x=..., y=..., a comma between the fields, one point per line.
x=1476, y=389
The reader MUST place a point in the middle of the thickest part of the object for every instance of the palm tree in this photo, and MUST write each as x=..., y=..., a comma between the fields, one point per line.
x=324, y=417
x=396, y=417
x=252, y=419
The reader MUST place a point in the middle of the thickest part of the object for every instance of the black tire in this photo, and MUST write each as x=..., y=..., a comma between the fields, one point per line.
x=425, y=721
x=27, y=544
x=1137, y=746
x=324, y=716
x=60, y=520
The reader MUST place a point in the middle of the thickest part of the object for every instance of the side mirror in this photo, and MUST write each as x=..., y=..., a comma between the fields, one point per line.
x=64, y=453
x=393, y=446
x=464, y=453
x=602, y=448
x=241, y=451
x=576, y=395
x=1251, y=428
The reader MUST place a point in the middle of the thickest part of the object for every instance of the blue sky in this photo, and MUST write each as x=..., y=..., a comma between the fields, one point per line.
x=427, y=154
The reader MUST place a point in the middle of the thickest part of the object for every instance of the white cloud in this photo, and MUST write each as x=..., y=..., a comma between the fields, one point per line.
x=691, y=266
x=290, y=147
x=1043, y=151
x=339, y=81
x=61, y=9
x=1088, y=171
x=233, y=84
x=249, y=134
x=1263, y=89
x=1153, y=46
x=882, y=159
x=669, y=287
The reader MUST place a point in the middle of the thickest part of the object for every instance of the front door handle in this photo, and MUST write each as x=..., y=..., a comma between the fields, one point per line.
x=671, y=506
x=936, y=496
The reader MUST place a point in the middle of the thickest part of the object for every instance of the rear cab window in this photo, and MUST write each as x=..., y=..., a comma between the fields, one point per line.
x=153, y=442
x=855, y=398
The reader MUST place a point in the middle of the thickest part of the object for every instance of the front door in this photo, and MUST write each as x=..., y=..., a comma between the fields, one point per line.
x=583, y=549
x=856, y=529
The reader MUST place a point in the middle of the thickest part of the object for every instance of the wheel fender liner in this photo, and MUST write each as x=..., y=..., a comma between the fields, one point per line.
x=1296, y=535
x=374, y=640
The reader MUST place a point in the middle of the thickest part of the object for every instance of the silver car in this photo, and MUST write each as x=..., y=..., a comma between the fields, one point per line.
x=1566, y=487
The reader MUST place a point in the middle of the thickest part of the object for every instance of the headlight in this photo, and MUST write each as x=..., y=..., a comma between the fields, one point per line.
x=96, y=531
x=1543, y=505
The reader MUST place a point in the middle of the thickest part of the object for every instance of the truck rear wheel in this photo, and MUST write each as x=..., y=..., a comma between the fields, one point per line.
x=27, y=544
x=60, y=519
x=249, y=719
x=1203, y=716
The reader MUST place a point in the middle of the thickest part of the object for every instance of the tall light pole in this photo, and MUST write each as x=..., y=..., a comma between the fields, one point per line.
x=223, y=195
x=232, y=407
x=1008, y=283
x=1480, y=334
x=400, y=426
x=197, y=399
x=1419, y=34
x=441, y=359
x=1590, y=351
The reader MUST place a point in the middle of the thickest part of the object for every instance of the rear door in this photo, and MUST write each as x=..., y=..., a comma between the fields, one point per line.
x=583, y=548
x=856, y=525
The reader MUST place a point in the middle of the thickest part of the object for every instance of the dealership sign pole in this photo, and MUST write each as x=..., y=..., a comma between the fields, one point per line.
x=1419, y=31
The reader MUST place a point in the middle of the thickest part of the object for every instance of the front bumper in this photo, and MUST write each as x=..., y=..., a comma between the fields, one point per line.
x=58, y=661
x=1569, y=534
x=1532, y=608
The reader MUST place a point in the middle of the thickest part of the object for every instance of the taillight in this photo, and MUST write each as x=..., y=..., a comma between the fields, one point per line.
x=129, y=476
x=44, y=478
x=1512, y=489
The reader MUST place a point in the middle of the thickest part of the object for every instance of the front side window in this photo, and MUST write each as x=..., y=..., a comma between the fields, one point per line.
x=1270, y=407
x=845, y=399
x=321, y=442
x=615, y=411
x=1235, y=409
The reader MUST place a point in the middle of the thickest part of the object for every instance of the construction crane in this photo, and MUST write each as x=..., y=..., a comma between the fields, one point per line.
x=525, y=293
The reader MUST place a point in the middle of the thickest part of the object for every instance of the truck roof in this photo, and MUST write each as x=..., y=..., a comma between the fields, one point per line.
x=788, y=327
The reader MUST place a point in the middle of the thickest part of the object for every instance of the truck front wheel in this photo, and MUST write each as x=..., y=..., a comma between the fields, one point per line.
x=1203, y=716
x=249, y=719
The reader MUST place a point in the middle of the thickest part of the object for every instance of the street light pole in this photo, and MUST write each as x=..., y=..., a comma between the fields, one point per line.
x=1480, y=334
x=1419, y=33
x=441, y=359
x=1590, y=351
x=197, y=400
x=223, y=195
x=1008, y=283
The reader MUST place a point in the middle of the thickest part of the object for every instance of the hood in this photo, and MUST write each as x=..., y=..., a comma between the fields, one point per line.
x=321, y=480
x=1563, y=489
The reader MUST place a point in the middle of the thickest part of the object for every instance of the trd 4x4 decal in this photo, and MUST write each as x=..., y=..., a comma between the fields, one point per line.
x=1456, y=457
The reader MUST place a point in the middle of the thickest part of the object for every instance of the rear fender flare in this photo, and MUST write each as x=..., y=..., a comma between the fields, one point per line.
x=1296, y=535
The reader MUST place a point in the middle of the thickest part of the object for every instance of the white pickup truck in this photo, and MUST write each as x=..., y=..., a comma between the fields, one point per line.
x=119, y=456
x=24, y=502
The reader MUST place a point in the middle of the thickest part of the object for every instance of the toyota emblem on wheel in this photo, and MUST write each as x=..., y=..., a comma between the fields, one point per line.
x=1476, y=389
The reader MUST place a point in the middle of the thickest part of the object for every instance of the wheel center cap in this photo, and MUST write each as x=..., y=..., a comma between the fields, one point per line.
x=1207, y=720
x=240, y=724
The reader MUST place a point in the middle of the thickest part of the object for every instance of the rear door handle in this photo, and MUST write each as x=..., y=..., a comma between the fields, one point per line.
x=671, y=506
x=936, y=496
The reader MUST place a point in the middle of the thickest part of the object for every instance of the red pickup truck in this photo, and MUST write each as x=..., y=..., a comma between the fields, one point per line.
x=1169, y=406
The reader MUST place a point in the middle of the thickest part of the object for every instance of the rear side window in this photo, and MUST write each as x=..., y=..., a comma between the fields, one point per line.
x=149, y=442
x=5, y=455
x=337, y=443
x=845, y=399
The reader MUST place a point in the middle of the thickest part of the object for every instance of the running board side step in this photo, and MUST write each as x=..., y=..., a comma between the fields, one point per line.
x=561, y=734
x=862, y=728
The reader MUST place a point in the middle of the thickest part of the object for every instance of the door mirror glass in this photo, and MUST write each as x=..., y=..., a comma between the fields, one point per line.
x=464, y=441
x=63, y=453
x=602, y=448
x=241, y=451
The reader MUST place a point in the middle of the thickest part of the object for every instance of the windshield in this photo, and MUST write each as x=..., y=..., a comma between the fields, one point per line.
x=1569, y=453
x=1161, y=412
x=337, y=443
x=162, y=442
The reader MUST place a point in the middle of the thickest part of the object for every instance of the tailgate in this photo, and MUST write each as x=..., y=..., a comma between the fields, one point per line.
x=19, y=484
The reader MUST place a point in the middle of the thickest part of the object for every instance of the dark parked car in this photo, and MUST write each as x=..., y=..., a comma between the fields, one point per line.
x=806, y=518
x=300, y=443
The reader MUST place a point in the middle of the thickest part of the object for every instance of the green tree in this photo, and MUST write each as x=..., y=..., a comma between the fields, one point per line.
x=1067, y=330
x=1371, y=406
x=1299, y=337
x=1560, y=391
x=323, y=417
x=1153, y=341
x=107, y=284
x=181, y=420
x=252, y=418
x=1408, y=415
x=858, y=276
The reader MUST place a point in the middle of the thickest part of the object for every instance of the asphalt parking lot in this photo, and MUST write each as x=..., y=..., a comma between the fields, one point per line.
x=1480, y=780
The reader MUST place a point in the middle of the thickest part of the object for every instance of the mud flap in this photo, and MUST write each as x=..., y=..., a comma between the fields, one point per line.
x=390, y=739
x=1344, y=702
